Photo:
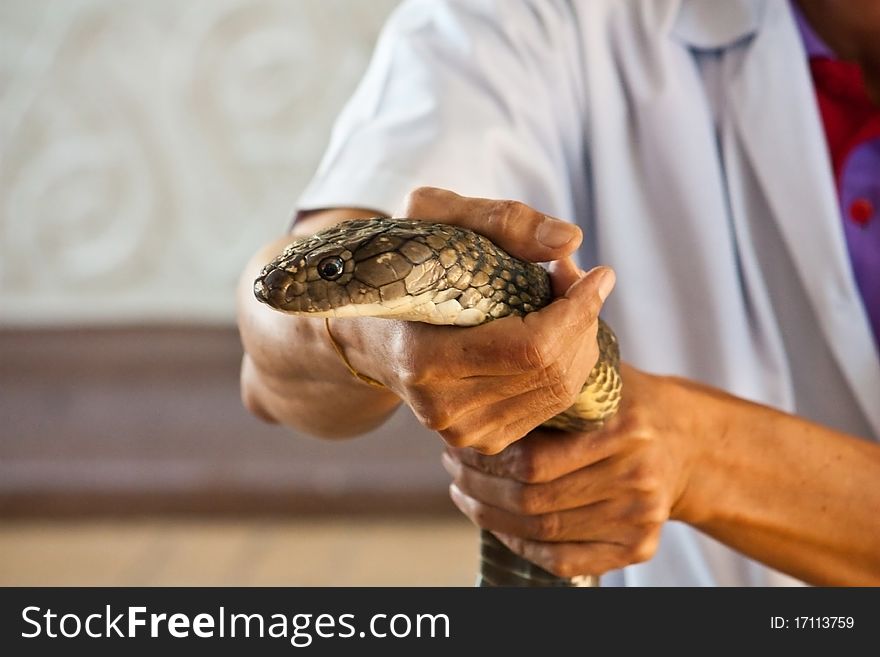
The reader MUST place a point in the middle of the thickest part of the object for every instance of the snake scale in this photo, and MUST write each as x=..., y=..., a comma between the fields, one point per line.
x=416, y=270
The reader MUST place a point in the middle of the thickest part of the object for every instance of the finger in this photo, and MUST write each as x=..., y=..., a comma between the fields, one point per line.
x=578, y=489
x=470, y=400
x=515, y=227
x=499, y=348
x=577, y=311
x=591, y=523
x=545, y=455
x=563, y=274
x=469, y=408
x=547, y=392
x=491, y=428
x=568, y=559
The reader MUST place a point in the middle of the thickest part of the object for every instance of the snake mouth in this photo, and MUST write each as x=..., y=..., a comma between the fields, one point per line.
x=261, y=292
x=275, y=287
x=278, y=289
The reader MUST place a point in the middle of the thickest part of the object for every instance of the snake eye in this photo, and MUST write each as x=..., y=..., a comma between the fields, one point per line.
x=331, y=268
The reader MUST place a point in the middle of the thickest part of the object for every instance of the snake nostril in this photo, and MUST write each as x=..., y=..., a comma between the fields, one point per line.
x=275, y=279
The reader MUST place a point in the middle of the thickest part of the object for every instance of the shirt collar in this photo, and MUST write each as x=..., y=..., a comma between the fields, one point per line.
x=712, y=25
x=708, y=25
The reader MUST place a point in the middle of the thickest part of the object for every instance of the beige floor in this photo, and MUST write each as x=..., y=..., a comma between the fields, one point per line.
x=339, y=552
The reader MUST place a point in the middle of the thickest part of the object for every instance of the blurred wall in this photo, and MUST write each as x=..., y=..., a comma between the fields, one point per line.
x=150, y=146
x=146, y=149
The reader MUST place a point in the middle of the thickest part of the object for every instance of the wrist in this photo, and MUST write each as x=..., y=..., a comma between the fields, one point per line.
x=702, y=425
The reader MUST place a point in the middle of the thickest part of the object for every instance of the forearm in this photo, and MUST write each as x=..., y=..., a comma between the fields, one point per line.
x=797, y=496
x=290, y=372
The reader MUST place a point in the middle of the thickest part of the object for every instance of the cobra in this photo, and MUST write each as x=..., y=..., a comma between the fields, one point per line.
x=414, y=270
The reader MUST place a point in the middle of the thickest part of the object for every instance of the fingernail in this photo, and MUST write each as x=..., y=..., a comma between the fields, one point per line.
x=606, y=283
x=553, y=233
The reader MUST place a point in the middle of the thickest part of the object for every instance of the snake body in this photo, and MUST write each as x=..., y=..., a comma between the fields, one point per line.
x=440, y=274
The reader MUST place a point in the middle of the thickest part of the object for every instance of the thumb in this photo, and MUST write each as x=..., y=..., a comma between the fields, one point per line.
x=598, y=282
x=574, y=315
x=517, y=228
x=563, y=274
x=579, y=307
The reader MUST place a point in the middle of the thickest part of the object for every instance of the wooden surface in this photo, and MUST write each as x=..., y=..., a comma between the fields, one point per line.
x=148, y=420
x=308, y=552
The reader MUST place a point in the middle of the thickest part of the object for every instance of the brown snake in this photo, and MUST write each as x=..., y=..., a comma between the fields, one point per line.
x=440, y=274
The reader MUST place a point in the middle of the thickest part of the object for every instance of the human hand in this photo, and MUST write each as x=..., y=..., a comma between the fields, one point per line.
x=585, y=503
x=487, y=386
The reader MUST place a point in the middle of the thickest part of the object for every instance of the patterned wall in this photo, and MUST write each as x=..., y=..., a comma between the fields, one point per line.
x=148, y=147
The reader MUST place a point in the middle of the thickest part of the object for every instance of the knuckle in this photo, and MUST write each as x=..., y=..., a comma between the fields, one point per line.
x=547, y=527
x=431, y=413
x=643, y=478
x=548, y=347
x=656, y=513
x=502, y=214
x=528, y=499
x=637, y=423
x=561, y=566
x=472, y=459
x=621, y=556
x=593, y=308
x=533, y=354
x=489, y=447
x=436, y=422
x=562, y=391
x=656, y=516
x=641, y=550
x=480, y=516
x=252, y=403
x=489, y=441
x=648, y=511
x=539, y=352
x=418, y=198
x=526, y=466
x=453, y=436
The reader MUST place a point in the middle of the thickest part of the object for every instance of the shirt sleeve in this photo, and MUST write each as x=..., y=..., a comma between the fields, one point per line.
x=478, y=96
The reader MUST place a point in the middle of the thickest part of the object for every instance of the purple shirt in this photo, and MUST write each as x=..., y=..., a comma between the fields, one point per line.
x=859, y=198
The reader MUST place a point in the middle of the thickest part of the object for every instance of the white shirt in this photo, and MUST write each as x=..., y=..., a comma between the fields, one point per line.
x=683, y=137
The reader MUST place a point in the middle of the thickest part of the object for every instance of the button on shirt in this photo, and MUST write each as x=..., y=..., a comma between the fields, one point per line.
x=852, y=130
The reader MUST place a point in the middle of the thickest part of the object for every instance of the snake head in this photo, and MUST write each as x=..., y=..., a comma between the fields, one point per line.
x=376, y=267
x=305, y=278
x=401, y=268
